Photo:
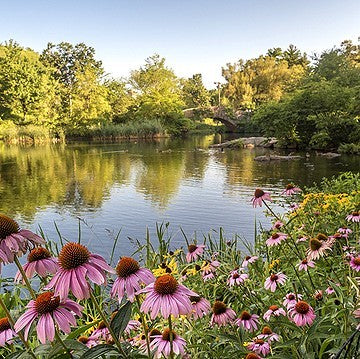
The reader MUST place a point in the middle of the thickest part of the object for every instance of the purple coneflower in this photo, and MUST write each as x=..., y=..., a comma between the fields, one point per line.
x=88, y=341
x=208, y=271
x=6, y=332
x=248, y=321
x=318, y=295
x=14, y=240
x=76, y=265
x=259, y=197
x=161, y=343
x=275, y=311
x=268, y=335
x=290, y=190
x=305, y=264
x=345, y=231
x=249, y=259
x=237, y=278
x=200, y=307
x=277, y=225
x=48, y=308
x=168, y=296
x=39, y=261
x=329, y=290
x=259, y=346
x=301, y=239
x=302, y=313
x=195, y=250
x=102, y=333
x=317, y=248
x=132, y=325
x=275, y=279
x=221, y=314
x=294, y=207
x=276, y=239
x=355, y=263
x=353, y=217
x=130, y=277
x=291, y=299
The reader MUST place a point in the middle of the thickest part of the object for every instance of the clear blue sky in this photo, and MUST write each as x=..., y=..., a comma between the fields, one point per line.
x=194, y=36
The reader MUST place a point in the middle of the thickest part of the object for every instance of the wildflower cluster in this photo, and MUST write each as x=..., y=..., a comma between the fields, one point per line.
x=297, y=285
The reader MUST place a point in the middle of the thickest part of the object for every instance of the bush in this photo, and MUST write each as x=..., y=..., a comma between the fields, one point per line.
x=350, y=148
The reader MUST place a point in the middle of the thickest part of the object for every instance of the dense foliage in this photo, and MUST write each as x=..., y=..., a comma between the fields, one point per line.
x=293, y=292
x=65, y=91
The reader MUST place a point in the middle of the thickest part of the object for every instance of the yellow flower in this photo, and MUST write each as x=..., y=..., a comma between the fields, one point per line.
x=274, y=263
x=173, y=254
x=166, y=268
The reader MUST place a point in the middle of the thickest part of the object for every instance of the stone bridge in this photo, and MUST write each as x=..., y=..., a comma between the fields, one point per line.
x=218, y=113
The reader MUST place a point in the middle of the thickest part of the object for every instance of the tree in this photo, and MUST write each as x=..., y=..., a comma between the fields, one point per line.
x=194, y=92
x=79, y=76
x=157, y=92
x=120, y=99
x=26, y=90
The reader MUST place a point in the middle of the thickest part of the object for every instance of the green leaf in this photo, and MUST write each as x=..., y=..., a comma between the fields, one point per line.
x=58, y=351
x=84, y=328
x=96, y=352
x=121, y=319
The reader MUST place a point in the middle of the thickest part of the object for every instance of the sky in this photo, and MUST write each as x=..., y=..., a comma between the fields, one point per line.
x=197, y=36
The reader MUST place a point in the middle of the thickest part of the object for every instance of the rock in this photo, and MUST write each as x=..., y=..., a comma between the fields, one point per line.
x=328, y=154
x=276, y=158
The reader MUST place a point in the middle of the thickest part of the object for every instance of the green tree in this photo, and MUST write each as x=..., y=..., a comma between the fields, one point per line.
x=194, y=92
x=26, y=90
x=157, y=92
x=79, y=74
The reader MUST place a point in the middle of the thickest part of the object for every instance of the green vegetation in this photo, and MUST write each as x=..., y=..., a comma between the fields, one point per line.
x=64, y=92
x=291, y=293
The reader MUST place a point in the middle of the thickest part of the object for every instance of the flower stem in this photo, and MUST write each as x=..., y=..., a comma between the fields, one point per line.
x=107, y=324
x=58, y=338
x=143, y=323
x=171, y=338
x=12, y=322
x=25, y=278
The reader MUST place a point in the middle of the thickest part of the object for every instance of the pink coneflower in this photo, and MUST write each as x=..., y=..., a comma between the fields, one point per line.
x=130, y=277
x=293, y=207
x=88, y=341
x=208, y=271
x=291, y=299
x=290, y=190
x=275, y=311
x=259, y=197
x=276, y=239
x=329, y=290
x=132, y=325
x=353, y=217
x=318, y=295
x=301, y=239
x=168, y=296
x=248, y=321
x=161, y=343
x=14, y=240
x=344, y=230
x=195, y=250
x=237, y=278
x=200, y=307
x=76, y=265
x=102, y=333
x=249, y=259
x=6, y=332
x=41, y=262
x=259, y=346
x=48, y=308
x=317, y=248
x=302, y=314
x=268, y=335
x=275, y=279
x=355, y=263
x=277, y=225
x=305, y=264
x=222, y=315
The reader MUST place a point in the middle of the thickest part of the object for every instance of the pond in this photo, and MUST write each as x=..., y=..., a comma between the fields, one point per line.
x=133, y=185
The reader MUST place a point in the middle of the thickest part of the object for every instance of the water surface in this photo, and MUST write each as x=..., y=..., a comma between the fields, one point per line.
x=133, y=185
